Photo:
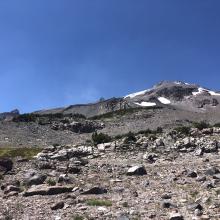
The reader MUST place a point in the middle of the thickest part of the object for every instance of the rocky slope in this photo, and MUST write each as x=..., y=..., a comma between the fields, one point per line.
x=166, y=176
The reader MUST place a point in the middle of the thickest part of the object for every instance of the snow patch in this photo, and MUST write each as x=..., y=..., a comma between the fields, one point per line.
x=181, y=83
x=201, y=90
x=164, y=101
x=137, y=93
x=214, y=93
x=146, y=104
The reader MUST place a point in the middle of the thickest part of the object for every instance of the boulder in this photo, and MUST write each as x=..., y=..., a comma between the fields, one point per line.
x=6, y=164
x=47, y=190
x=58, y=205
x=137, y=170
x=95, y=190
x=32, y=177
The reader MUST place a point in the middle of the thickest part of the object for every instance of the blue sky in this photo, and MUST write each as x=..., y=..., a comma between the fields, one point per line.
x=60, y=52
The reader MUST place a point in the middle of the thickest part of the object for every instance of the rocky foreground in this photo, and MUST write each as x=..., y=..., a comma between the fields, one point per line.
x=170, y=175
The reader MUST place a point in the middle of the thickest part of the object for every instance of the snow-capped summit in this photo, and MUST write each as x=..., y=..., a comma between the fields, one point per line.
x=177, y=93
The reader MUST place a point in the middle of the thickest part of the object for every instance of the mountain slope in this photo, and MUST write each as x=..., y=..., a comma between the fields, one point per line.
x=180, y=95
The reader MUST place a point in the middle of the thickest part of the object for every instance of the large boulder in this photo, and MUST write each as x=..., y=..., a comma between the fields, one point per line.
x=32, y=177
x=6, y=164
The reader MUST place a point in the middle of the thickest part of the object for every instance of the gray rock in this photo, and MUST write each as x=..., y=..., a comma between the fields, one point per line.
x=192, y=174
x=211, y=171
x=194, y=206
x=45, y=190
x=198, y=212
x=167, y=204
x=11, y=188
x=95, y=190
x=58, y=205
x=32, y=177
x=6, y=164
x=137, y=170
x=175, y=216
x=60, y=155
x=73, y=169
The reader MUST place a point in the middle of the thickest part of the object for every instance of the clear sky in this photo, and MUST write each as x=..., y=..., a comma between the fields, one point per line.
x=60, y=52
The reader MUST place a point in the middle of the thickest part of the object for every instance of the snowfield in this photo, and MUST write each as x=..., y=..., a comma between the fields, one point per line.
x=164, y=100
x=146, y=104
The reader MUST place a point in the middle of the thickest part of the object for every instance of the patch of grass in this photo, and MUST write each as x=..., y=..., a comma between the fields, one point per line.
x=95, y=202
x=28, y=153
x=51, y=182
x=194, y=194
x=78, y=217
x=217, y=191
x=209, y=201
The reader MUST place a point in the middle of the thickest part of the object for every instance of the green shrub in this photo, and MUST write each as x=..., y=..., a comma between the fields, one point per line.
x=159, y=130
x=145, y=132
x=182, y=130
x=95, y=202
x=51, y=182
x=217, y=125
x=201, y=125
x=130, y=137
x=25, y=118
x=99, y=138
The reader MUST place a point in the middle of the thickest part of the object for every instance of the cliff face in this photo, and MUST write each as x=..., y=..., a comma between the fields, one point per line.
x=92, y=109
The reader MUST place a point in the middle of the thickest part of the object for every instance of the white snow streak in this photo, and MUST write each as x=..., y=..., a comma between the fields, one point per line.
x=137, y=93
x=145, y=104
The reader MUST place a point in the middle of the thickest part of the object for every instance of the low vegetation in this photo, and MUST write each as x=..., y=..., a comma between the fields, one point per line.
x=28, y=153
x=130, y=138
x=183, y=130
x=78, y=217
x=201, y=125
x=99, y=138
x=32, y=117
x=95, y=202
x=51, y=182
x=121, y=112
